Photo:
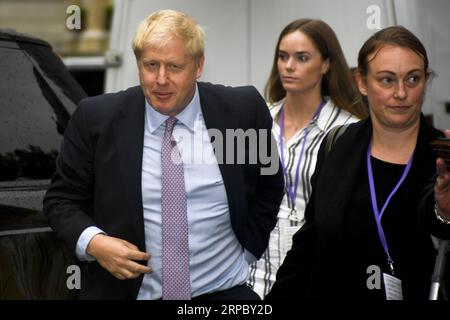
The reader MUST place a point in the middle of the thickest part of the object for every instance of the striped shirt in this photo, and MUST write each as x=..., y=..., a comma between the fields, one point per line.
x=291, y=215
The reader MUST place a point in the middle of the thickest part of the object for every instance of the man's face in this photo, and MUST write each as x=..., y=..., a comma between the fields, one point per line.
x=168, y=76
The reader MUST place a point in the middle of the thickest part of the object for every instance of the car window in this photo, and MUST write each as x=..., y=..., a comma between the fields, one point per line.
x=28, y=129
x=35, y=106
x=37, y=97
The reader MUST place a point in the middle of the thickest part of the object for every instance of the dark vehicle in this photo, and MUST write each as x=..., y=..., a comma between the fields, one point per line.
x=37, y=97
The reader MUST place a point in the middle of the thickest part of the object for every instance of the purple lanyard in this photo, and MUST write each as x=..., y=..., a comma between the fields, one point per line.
x=378, y=215
x=292, y=194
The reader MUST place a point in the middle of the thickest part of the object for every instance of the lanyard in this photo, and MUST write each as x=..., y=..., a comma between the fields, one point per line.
x=379, y=214
x=292, y=192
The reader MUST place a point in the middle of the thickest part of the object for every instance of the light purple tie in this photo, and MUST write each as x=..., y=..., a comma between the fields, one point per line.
x=176, y=283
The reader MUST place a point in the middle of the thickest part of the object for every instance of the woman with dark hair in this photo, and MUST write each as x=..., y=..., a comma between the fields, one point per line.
x=310, y=90
x=362, y=238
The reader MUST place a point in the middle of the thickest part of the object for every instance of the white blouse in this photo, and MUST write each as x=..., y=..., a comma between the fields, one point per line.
x=329, y=117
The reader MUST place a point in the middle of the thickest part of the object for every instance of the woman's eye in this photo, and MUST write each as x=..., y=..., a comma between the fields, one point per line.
x=282, y=56
x=413, y=79
x=302, y=58
x=386, y=81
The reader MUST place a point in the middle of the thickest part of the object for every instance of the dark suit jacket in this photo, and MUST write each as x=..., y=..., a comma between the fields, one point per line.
x=319, y=263
x=98, y=176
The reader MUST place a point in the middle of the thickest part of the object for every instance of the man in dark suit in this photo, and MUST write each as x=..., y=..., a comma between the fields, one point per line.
x=127, y=197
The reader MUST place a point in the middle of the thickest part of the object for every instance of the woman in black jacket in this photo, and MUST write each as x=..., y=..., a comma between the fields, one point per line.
x=362, y=238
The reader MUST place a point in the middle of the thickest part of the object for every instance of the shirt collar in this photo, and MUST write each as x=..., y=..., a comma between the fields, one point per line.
x=321, y=121
x=324, y=117
x=187, y=117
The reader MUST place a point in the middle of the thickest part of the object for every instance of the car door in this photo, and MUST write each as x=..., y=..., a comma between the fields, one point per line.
x=37, y=97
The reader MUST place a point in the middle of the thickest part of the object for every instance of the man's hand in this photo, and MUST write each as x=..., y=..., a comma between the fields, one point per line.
x=117, y=255
x=442, y=186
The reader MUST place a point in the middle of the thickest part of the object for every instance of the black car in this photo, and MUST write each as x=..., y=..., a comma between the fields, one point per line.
x=37, y=97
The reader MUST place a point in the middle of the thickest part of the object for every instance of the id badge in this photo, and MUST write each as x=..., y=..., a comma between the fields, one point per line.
x=393, y=287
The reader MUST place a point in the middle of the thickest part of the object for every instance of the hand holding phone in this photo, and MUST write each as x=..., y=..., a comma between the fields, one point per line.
x=442, y=185
x=442, y=148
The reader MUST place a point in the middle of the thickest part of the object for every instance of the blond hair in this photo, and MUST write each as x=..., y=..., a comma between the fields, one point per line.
x=163, y=26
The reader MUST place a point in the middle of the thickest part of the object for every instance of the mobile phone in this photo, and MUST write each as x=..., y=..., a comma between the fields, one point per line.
x=442, y=148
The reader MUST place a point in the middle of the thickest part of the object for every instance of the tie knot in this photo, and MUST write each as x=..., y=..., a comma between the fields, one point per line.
x=170, y=123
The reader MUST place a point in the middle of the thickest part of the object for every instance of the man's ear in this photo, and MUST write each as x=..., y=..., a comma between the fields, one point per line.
x=362, y=83
x=201, y=62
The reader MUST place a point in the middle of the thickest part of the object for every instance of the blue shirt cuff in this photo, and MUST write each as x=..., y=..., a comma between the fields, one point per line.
x=83, y=242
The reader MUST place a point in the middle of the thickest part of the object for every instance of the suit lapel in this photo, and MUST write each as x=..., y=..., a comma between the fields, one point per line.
x=129, y=140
